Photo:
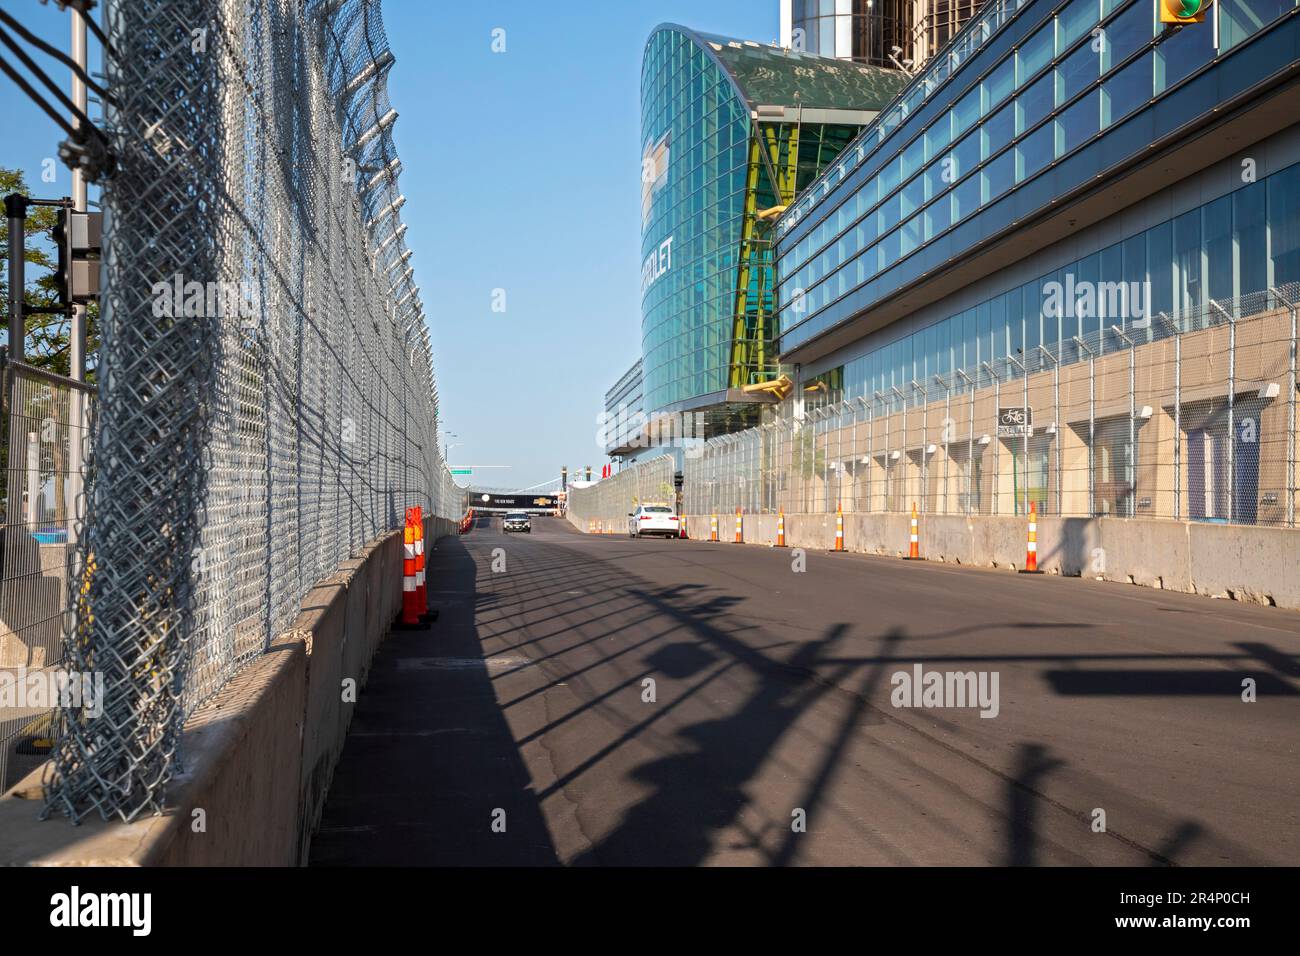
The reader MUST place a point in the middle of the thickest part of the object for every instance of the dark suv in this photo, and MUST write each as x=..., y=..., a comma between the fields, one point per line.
x=517, y=521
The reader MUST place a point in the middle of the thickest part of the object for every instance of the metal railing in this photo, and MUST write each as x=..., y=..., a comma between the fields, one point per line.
x=1189, y=417
x=267, y=403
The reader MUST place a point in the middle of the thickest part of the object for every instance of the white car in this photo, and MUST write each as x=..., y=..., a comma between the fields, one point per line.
x=652, y=519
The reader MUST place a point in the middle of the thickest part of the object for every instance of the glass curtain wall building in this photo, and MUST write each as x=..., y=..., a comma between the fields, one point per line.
x=731, y=131
x=1034, y=103
x=1082, y=216
x=878, y=32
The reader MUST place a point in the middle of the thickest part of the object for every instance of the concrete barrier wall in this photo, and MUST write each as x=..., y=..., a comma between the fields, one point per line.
x=259, y=756
x=1242, y=562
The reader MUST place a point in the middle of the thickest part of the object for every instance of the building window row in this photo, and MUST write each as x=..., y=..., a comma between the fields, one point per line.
x=1247, y=241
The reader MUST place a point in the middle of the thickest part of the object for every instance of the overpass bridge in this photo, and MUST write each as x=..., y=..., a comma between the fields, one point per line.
x=546, y=498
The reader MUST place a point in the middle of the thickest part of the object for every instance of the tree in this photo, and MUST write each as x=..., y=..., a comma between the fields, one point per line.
x=48, y=340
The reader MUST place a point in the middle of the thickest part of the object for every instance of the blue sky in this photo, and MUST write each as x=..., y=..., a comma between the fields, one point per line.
x=522, y=173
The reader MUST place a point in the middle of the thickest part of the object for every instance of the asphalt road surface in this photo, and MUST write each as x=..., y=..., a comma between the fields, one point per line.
x=518, y=729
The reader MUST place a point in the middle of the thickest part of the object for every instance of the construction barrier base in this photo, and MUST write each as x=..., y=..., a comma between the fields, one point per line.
x=1027, y=571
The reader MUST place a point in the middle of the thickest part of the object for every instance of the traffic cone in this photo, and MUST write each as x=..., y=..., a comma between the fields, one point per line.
x=739, y=536
x=914, y=547
x=681, y=527
x=410, y=606
x=713, y=527
x=1031, y=545
x=421, y=577
x=780, y=528
x=839, y=527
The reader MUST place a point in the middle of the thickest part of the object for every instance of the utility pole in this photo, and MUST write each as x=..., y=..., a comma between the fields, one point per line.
x=16, y=211
x=77, y=347
x=77, y=330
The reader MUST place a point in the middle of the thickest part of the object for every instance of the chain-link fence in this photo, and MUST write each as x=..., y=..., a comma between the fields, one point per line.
x=267, y=396
x=1189, y=417
x=605, y=505
x=45, y=421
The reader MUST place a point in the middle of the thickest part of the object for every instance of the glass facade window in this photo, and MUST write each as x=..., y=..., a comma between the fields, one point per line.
x=966, y=112
x=998, y=85
x=1070, y=56
x=707, y=315
x=1182, y=54
x=866, y=31
x=1035, y=103
x=1074, y=21
x=1034, y=152
x=1058, y=69
x=998, y=176
x=1127, y=90
x=1241, y=19
x=998, y=130
x=1126, y=34
x=1034, y=54
x=1245, y=241
x=1079, y=123
x=1076, y=72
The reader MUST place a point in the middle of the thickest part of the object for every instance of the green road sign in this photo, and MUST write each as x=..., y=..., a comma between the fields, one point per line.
x=462, y=471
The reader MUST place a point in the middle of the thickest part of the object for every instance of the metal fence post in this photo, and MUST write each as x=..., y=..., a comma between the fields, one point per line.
x=946, y=436
x=1056, y=420
x=1178, y=420
x=1132, y=463
x=1024, y=438
x=997, y=442
x=970, y=441
x=1232, y=410
x=871, y=441
x=1092, y=425
x=923, y=468
x=1291, y=413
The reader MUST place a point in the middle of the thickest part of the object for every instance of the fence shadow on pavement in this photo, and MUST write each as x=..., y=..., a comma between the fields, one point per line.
x=429, y=758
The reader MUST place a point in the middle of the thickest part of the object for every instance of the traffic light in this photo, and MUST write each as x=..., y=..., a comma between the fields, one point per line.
x=78, y=238
x=1183, y=11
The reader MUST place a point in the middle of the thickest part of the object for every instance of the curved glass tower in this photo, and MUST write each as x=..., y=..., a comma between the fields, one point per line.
x=731, y=131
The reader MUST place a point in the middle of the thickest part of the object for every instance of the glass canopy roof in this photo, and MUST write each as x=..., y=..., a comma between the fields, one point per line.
x=772, y=76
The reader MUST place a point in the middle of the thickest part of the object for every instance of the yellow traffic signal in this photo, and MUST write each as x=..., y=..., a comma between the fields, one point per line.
x=1183, y=11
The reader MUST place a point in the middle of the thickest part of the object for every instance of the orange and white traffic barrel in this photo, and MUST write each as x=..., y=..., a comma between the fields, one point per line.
x=914, y=546
x=740, y=538
x=410, y=607
x=713, y=527
x=839, y=527
x=1031, y=544
x=780, y=528
x=421, y=591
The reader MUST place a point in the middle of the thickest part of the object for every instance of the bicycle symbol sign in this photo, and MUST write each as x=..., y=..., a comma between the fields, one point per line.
x=1015, y=421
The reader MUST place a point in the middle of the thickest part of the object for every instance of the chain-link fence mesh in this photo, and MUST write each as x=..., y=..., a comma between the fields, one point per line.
x=1192, y=417
x=267, y=396
x=45, y=422
x=603, y=507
